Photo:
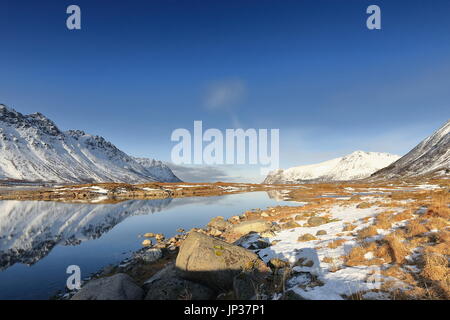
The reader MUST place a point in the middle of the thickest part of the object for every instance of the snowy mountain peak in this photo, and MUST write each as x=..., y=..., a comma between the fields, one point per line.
x=444, y=130
x=157, y=167
x=356, y=154
x=431, y=156
x=357, y=165
x=32, y=148
x=35, y=120
x=10, y=115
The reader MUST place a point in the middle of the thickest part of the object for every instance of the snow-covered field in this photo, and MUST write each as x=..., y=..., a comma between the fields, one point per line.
x=367, y=247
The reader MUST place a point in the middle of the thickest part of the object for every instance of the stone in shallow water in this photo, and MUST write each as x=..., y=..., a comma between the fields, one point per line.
x=117, y=287
x=219, y=223
x=152, y=255
x=159, y=237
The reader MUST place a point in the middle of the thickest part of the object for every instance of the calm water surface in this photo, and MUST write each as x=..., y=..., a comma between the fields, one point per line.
x=39, y=239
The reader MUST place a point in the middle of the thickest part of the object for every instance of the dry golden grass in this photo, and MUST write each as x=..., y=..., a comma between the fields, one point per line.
x=364, y=205
x=349, y=227
x=436, y=223
x=415, y=228
x=432, y=281
x=396, y=272
x=356, y=256
x=398, y=249
x=367, y=232
x=336, y=243
x=435, y=266
x=435, y=274
x=404, y=215
x=391, y=249
x=444, y=236
x=366, y=219
x=383, y=221
x=439, y=204
x=328, y=260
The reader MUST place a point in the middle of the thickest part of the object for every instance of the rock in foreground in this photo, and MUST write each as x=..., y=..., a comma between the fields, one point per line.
x=117, y=287
x=251, y=226
x=167, y=285
x=215, y=263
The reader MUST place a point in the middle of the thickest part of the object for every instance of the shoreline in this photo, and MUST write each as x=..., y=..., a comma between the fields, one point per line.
x=330, y=244
x=116, y=192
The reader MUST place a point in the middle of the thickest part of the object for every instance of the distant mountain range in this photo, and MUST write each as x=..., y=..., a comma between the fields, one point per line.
x=431, y=157
x=357, y=165
x=32, y=148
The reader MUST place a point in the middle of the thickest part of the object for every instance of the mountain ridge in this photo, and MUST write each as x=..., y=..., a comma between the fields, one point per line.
x=356, y=165
x=33, y=148
x=430, y=157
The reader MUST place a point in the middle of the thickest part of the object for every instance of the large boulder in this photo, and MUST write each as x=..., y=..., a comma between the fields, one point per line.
x=117, y=287
x=215, y=263
x=251, y=226
x=167, y=285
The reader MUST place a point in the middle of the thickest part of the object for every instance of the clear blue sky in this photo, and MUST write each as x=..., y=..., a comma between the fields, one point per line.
x=139, y=69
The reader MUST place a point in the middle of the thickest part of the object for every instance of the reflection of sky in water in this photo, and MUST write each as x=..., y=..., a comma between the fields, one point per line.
x=108, y=234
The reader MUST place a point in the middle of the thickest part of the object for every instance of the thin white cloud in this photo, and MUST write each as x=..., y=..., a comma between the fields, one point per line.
x=225, y=94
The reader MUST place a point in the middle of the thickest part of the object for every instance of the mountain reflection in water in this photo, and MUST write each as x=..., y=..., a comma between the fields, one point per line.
x=39, y=239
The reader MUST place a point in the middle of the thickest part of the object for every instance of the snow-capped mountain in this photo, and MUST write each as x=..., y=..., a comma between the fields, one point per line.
x=357, y=165
x=430, y=157
x=32, y=148
x=158, y=169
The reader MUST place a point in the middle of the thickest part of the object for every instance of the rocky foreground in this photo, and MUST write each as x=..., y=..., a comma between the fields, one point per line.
x=352, y=242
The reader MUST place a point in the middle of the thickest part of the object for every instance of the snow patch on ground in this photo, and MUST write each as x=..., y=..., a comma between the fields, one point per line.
x=345, y=281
